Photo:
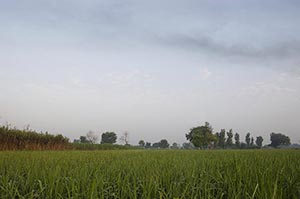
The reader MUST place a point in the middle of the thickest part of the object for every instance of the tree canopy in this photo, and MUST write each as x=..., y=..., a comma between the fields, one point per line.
x=201, y=136
x=279, y=139
x=109, y=138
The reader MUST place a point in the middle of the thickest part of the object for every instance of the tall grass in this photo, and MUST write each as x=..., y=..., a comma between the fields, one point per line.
x=150, y=174
x=14, y=139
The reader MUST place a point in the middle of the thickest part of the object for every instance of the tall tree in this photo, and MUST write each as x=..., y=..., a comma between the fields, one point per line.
x=248, y=139
x=229, y=138
x=252, y=141
x=201, y=136
x=222, y=138
x=259, y=141
x=237, y=140
x=108, y=137
x=279, y=139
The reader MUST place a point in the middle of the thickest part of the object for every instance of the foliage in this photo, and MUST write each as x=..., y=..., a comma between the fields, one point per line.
x=14, y=139
x=187, y=145
x=155, y=145
x=259, y=141
x=146, y=174
x=237, y=140
x=252, y=141
x=108, y=138
x=221, y=138
x=142, y=143
x=229, y=141
x=248, y=139
x=279, y=139
x=88, y=146
x=175, y=146
x=163, y=144
x=201, y=136
x=148, y=145
x=83, y=139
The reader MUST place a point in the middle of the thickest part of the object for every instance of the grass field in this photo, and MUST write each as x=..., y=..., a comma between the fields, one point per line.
x=150, y=174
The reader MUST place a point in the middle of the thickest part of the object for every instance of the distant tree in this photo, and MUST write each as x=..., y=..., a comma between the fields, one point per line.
x=108, y=137
x=279, y=139
x=252, y=141
x=222, y=139
x=83, y=139
x=175, y=146
x=155, y=145
x=76, y=141
x=237, y=140
x=187, y=145
x=92, y=137
x=164, y=144
x=259, y=141
x=125, y=138
x=201, y=136
x=248, y=139
x=229, y=138
x=142, y=143
x=148, y=145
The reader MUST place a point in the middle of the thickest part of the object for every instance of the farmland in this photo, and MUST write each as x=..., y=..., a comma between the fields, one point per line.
x=150, y=174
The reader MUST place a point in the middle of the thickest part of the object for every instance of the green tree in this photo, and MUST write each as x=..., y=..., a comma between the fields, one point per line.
x=248, y=139
x=222, y=139
x=201, y=136
x=259, y=141
x=108, y=138
x=142, y=143
x=148, y=145
x=155, y=145
x=163, y=144
x=237, y=140
x=175, y=146
x=279, y=139
x=229, y=141
x=83, y=139
x=252, y=141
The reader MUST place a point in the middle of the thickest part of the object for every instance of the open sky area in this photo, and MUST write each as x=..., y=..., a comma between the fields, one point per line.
x=152, y=68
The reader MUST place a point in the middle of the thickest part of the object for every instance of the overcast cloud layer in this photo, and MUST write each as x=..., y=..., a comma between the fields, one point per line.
x=152, y=68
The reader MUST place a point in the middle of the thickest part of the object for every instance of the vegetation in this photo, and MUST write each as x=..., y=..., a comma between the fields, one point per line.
x=151, y=174
x=201, y=136
x=279, y=139
x=108, y=138
x=89, y=146
x=14, y=139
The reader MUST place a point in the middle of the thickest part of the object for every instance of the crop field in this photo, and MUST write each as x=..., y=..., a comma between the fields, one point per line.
x=150, y=174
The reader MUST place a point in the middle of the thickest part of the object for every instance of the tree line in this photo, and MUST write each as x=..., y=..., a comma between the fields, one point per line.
x=203, y=137
x=198, y=137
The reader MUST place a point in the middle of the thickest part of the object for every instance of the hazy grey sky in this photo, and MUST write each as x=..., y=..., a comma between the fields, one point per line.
x=152, y=68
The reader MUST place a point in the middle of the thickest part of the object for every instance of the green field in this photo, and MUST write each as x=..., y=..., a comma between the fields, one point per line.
x=150, y=174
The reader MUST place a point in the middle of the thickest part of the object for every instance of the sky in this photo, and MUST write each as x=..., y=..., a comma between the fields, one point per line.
x=152, y=68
